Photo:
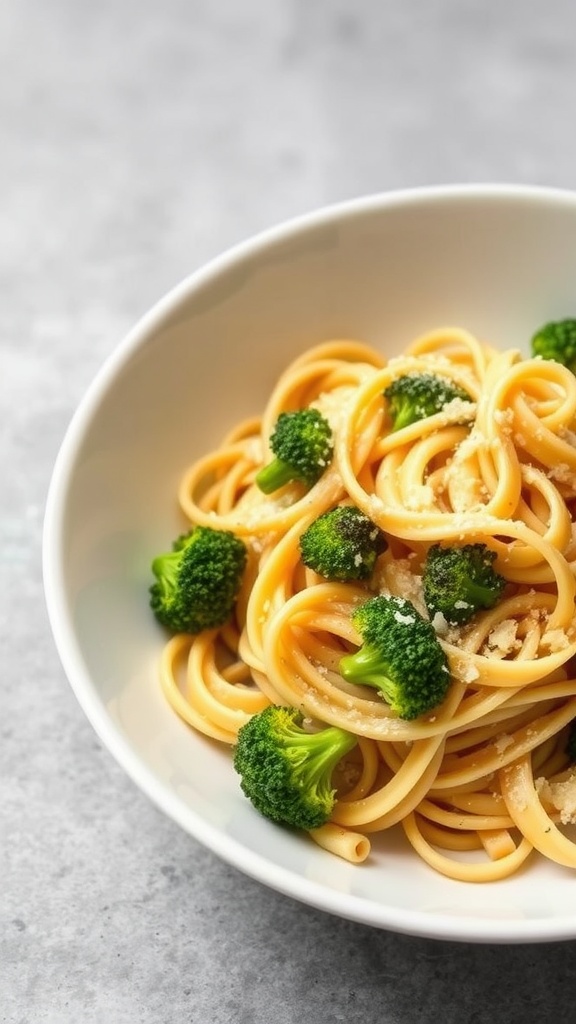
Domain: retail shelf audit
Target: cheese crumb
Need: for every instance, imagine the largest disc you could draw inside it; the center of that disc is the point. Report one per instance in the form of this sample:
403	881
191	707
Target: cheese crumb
404	620
458	410
468	671
555	640
560	794
502	742
440	624
420	498
395	576
563	474
504	418
502	640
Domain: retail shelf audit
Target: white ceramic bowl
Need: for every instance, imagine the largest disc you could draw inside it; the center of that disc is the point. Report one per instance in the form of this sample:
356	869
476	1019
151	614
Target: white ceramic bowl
497	260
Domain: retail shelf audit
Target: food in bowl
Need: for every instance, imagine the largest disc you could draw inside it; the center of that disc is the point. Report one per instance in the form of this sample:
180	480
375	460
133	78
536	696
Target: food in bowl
374	605
497	259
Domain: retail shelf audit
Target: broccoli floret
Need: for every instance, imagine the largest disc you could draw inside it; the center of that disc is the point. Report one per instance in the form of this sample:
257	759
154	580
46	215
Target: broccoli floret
286	771
557	340
342	544
302	445
197	583
418	395
458	582
400	655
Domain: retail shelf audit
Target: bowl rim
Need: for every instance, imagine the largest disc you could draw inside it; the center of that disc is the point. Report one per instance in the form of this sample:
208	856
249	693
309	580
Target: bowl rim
440	926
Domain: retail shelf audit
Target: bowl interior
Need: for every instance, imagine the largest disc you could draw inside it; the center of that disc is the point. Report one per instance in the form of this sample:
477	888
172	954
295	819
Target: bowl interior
499	261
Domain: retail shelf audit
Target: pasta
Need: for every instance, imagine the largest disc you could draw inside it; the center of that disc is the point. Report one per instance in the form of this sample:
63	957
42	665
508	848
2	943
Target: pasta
484	779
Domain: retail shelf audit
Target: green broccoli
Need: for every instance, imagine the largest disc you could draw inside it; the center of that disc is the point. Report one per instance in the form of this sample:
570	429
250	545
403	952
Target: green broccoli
197	583
400	655
285	770
302	445
418	395
460	581
342	544
557	341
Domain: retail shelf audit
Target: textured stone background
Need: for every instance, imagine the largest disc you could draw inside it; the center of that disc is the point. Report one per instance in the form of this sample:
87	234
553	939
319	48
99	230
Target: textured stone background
137	139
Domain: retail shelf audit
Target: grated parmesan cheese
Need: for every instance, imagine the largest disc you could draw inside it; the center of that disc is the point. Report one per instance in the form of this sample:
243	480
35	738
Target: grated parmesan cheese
560	794
567	435
563	474
555	640
503	741
440	624
516	789
420	498
504	418
404	620
395	576
466	670
502	640
459	410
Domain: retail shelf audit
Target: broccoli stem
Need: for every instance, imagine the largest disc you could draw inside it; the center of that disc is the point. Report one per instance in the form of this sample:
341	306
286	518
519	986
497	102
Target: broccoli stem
166	567
366	668
276	474
479	596
403	418
320	752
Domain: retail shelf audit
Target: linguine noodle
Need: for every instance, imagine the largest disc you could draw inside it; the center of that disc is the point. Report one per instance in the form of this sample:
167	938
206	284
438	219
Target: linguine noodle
484	779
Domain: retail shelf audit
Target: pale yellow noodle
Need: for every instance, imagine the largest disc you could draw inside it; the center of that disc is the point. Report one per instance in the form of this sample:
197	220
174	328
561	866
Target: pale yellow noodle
351	846
499	469
475	871
530	817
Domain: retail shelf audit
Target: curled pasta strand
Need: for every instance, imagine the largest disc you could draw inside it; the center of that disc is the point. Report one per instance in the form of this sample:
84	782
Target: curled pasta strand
456	344
478	776
526	810
173	651
490	871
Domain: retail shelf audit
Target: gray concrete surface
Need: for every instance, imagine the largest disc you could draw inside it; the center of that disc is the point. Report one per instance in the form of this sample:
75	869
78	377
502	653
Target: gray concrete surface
137	139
